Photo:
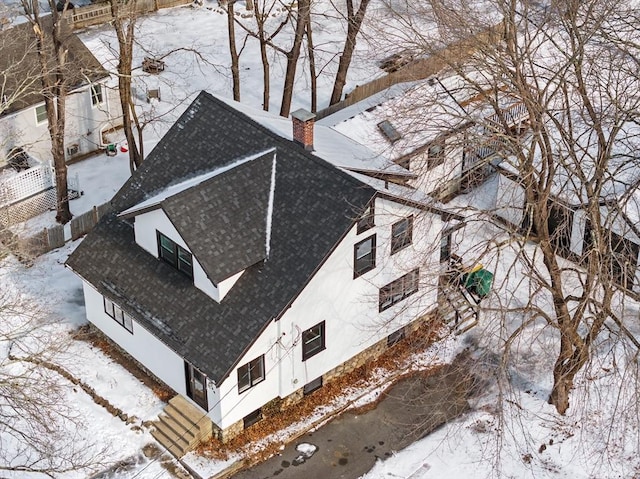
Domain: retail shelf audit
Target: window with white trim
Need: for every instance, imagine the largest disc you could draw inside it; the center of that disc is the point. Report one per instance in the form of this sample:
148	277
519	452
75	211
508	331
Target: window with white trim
398	290
96	95
250	374
116	312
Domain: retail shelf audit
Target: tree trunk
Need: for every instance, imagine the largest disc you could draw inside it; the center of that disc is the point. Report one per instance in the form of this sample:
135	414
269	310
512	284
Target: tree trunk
125	61
235	60
312	66
292	57
54	89
63	213
260	20
353	28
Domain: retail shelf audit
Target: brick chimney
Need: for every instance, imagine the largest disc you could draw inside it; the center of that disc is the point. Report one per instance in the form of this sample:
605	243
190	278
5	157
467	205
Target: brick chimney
303	121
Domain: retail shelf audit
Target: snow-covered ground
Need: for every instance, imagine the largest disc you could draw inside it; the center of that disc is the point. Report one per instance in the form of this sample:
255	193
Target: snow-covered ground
513	432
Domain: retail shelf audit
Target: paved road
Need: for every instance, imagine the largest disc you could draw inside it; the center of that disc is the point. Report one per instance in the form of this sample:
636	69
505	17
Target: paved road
348	446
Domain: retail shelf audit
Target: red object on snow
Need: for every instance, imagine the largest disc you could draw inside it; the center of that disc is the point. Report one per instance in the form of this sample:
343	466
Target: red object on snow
123	148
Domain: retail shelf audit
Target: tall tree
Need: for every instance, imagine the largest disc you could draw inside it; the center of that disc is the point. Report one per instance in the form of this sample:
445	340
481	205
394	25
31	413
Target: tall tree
124	23
573	67
233	50
354	23
51	33
304	10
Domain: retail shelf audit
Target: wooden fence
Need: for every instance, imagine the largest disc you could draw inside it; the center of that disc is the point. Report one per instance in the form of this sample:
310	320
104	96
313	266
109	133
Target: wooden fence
100	13
418	69
28	247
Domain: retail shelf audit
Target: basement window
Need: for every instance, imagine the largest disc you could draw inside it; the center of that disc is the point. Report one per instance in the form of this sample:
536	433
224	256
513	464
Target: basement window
312	386
252	418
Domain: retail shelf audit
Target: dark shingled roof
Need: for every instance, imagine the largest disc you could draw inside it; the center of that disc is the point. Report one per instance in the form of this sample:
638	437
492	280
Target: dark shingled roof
314	207
20	69
225	226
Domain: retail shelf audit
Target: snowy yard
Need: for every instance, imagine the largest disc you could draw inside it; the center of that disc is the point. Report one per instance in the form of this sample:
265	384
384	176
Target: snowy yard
513	432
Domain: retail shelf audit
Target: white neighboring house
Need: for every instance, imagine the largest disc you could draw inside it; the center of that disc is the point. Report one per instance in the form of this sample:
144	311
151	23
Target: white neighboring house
242	269
439	129
91	106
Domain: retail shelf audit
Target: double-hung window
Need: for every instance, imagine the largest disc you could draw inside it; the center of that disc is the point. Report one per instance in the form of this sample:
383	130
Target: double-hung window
435	154
401	234
364	256
116	312
96	94
313	341
175	255
398	290
250	374
367	219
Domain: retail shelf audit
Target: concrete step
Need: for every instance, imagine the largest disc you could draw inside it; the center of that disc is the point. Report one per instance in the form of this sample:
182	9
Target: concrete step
183	428
175	444
186	409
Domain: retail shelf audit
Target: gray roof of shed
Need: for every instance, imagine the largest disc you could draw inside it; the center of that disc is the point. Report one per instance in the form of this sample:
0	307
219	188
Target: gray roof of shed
314	206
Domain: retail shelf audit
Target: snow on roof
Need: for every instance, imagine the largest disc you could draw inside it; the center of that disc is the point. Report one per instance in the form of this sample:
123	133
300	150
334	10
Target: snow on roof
189	183
419	111
329	144
399	192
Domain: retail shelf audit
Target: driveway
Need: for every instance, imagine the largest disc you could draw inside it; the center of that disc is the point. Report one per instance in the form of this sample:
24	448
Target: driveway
348	446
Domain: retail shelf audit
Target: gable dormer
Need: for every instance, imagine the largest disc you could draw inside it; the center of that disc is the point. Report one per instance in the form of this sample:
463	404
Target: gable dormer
213	226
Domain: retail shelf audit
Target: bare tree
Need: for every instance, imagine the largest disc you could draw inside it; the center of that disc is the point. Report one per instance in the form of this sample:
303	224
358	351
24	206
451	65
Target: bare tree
40	429
573	68
51	34
233	51
354	22
124	24
304	10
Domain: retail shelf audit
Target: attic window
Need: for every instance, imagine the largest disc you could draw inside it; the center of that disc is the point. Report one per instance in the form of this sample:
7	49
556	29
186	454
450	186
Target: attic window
389	131
175	255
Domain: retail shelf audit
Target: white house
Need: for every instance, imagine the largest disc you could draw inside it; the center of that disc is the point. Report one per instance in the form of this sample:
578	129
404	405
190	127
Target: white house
91	107
439	129
240	268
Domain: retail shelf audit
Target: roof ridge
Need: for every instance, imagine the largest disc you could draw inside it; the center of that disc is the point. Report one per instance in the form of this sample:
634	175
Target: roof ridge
289	143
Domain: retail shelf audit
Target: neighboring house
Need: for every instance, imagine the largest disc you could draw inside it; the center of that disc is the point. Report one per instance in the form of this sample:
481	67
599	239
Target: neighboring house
437	129
242	269
92	107
568	222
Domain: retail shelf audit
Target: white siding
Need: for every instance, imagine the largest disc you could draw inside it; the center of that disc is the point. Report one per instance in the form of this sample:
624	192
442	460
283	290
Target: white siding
510	200
158	358
348	306
84	125
445	176
145	227
143	346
